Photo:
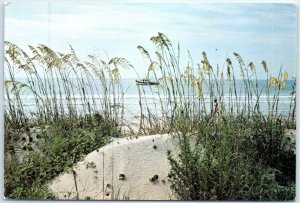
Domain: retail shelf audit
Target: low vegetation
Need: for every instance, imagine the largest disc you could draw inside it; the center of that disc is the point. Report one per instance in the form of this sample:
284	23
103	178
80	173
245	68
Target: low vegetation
234	159
58	150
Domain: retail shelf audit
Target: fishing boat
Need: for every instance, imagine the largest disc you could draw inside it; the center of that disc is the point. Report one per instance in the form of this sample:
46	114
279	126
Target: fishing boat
145	82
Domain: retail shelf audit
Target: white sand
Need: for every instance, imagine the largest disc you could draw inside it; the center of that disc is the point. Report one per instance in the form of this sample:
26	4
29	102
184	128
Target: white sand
136	158
291	133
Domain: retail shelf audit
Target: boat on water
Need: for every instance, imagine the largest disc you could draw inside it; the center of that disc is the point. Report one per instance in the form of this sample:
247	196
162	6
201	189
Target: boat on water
145	82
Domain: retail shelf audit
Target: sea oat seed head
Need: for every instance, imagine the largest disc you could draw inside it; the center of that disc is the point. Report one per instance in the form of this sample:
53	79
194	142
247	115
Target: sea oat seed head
264	63
285	75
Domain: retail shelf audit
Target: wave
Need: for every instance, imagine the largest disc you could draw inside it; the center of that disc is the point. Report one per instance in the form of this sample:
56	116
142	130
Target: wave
151	96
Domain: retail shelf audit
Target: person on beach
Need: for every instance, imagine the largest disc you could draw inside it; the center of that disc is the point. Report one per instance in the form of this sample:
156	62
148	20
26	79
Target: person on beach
216	107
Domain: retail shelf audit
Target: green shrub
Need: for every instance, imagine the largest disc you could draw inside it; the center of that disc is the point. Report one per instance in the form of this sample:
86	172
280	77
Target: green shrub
273	148
61	149
221	165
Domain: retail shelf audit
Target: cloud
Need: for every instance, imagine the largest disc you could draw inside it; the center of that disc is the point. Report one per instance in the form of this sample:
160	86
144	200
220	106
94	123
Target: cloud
108	20
120	26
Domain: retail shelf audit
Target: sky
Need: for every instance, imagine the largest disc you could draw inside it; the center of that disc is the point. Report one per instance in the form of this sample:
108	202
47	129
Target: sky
115	28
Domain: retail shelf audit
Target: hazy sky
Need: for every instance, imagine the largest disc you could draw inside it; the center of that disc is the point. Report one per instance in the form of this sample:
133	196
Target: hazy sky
256	31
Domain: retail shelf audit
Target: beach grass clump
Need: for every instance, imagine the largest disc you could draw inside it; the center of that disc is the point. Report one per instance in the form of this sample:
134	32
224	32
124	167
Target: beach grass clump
221	163
58	152
273	147
201	90
61	85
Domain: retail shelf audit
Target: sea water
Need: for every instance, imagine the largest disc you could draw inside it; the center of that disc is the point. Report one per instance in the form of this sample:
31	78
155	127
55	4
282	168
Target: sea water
285	102
133	98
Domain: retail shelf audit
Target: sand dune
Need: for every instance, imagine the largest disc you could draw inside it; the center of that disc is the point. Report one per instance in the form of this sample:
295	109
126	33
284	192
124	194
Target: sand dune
134	168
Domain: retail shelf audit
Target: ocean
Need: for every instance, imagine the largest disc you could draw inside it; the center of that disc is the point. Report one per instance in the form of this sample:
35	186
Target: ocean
285	96
130	99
